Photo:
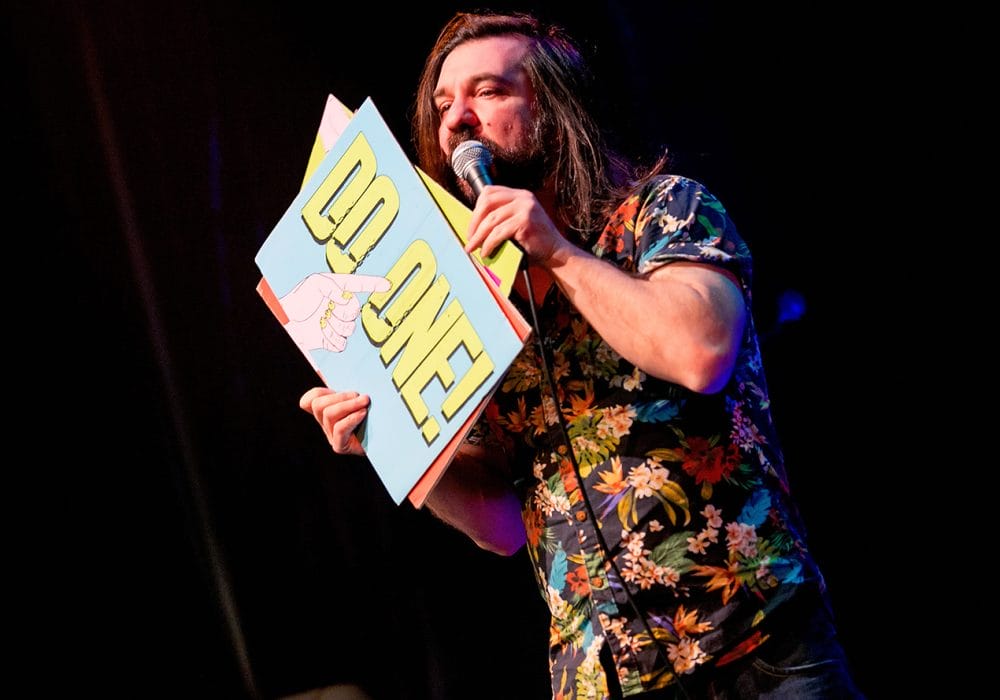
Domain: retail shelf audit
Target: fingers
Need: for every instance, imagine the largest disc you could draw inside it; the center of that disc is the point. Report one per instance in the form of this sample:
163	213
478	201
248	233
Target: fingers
335	327
334	343
347	310
484	219
327	404
495	238
339	414
306	400
337	323
363	283
501	214
341	433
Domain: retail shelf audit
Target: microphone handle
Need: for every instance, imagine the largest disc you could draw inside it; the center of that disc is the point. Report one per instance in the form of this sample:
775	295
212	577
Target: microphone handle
478	178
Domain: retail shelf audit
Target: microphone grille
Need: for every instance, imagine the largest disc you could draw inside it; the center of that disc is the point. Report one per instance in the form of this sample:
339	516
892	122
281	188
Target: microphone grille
467	154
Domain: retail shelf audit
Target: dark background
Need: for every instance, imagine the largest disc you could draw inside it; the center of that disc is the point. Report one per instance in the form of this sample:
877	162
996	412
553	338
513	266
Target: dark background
193	535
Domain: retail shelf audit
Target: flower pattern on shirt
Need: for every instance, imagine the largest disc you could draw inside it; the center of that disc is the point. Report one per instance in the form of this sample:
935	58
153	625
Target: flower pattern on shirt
688	489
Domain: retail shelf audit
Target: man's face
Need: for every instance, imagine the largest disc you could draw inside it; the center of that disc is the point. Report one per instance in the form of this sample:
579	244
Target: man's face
483	93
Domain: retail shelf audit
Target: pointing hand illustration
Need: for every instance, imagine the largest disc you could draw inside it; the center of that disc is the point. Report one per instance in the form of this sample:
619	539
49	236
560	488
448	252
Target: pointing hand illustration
323	307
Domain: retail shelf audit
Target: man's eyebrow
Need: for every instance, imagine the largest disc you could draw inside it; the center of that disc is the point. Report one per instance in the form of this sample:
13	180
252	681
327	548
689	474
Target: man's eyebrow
477	79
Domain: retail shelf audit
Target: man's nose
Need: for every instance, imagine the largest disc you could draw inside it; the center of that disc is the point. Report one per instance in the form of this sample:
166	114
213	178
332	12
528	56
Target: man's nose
459	115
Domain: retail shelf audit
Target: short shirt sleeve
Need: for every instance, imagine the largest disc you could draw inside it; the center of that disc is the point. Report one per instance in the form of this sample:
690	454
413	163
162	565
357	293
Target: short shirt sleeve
674	218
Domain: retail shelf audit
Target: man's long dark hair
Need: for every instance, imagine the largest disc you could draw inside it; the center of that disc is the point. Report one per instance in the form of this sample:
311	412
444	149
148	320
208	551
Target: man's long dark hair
588	175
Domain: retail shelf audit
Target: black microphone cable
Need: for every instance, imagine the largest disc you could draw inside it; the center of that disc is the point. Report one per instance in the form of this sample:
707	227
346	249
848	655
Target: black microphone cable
471	161
602	543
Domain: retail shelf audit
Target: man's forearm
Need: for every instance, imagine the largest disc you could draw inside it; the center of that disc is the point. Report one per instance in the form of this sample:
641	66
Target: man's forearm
476	498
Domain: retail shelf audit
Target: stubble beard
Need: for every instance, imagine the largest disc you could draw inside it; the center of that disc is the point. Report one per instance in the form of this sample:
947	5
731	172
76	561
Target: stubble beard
524	166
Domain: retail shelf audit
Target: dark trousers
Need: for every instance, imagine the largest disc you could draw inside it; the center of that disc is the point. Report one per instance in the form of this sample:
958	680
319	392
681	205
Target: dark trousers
802	659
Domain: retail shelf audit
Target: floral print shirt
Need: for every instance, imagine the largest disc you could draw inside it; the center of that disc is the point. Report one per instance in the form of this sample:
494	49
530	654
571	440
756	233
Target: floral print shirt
688	489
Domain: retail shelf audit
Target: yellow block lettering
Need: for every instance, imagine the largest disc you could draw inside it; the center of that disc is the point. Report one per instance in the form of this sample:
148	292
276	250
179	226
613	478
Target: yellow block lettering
351	206
482	366
340	189
437	364
372	216
421	330
416	268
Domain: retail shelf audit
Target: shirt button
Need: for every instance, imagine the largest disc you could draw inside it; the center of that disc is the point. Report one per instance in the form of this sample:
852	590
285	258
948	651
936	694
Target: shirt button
581	516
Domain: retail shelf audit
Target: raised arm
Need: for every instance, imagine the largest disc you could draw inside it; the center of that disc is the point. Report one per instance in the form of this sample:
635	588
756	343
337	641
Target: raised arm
681	322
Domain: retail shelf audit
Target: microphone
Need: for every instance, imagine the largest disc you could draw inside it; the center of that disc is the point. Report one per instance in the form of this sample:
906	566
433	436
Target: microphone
471	161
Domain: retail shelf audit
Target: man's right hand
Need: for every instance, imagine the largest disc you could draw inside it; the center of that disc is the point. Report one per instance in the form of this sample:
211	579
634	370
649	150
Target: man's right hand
339	413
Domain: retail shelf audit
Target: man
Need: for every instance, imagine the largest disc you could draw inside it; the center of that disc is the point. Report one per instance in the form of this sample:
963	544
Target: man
631	449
